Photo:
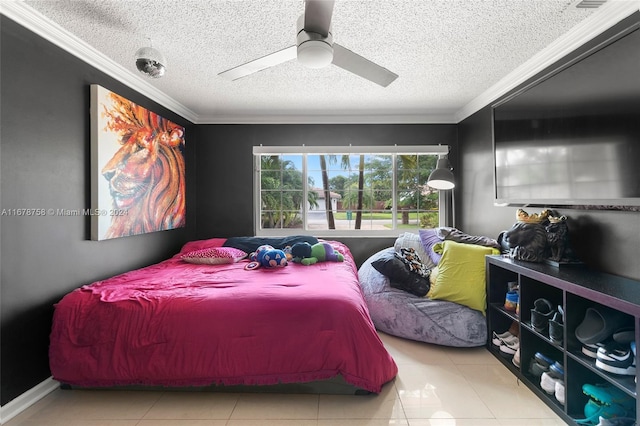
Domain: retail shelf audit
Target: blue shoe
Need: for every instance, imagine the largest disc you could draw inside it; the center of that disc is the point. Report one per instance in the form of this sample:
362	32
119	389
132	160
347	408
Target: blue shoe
543	360
556	370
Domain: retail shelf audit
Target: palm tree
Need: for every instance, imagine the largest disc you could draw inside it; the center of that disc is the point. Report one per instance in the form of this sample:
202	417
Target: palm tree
281	192
327	192
358	223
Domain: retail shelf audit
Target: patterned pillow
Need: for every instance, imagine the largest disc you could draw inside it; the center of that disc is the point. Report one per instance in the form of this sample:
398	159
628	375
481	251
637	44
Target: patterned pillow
214	256
412	240
412	260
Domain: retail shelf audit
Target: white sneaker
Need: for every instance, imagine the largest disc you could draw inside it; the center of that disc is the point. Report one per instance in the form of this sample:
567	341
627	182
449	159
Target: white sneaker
516	358
560	391
499	338
548	383
510	347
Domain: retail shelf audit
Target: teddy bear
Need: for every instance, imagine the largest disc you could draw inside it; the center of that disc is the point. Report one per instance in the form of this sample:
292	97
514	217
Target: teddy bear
267	257
308	254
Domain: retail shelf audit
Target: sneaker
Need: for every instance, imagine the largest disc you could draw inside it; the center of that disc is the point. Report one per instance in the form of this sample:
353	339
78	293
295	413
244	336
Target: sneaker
497	338
516	358
540	314
501	339
616	360
510	347
536	369
548	383
543	360
556	327
556	370
559	393
590	350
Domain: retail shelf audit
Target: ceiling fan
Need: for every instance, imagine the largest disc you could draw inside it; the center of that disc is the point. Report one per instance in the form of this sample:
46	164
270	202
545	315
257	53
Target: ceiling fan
315	49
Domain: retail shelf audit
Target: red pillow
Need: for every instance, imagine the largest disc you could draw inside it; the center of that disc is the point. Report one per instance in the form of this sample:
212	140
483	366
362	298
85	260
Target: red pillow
214	256
202	244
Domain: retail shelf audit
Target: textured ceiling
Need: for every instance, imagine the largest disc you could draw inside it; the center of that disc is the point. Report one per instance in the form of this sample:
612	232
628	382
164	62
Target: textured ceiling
446	52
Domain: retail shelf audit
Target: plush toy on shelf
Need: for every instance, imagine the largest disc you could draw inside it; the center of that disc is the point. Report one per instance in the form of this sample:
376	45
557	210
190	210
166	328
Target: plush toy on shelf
308	254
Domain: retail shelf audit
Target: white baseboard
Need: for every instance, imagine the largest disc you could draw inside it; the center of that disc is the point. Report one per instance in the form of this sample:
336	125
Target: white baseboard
27	399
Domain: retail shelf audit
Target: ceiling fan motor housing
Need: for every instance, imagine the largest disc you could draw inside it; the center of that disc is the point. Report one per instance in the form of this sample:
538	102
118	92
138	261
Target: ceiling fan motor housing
314	50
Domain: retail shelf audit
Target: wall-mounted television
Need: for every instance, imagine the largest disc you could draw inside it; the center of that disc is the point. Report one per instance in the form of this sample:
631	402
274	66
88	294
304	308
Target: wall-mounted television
572	137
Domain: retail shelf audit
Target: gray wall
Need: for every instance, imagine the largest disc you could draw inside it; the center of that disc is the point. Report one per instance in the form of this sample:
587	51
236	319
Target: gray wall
608	241
225	167
45	156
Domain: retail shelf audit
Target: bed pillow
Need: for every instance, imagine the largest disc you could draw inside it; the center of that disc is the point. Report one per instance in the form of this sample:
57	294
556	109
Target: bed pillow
429	238
214	256
202	244
411	240
250	244
461	274
453	234
400	276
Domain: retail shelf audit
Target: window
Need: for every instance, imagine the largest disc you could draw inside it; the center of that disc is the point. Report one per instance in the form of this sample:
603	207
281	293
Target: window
346	191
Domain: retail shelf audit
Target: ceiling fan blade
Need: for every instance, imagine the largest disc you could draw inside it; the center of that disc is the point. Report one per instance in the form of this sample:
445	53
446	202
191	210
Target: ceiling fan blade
317	16
352	62
260	64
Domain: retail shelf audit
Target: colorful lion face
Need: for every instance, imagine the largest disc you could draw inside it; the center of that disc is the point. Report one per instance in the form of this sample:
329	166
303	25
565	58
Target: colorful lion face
147	174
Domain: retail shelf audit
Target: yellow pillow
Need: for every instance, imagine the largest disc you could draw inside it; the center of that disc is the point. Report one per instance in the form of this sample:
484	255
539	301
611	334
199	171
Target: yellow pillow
461	274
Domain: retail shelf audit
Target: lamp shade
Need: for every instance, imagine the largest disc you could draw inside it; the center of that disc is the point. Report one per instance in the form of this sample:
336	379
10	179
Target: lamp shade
442	176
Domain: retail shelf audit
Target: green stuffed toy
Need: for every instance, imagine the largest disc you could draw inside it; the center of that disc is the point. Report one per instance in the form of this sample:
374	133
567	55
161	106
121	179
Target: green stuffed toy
308	254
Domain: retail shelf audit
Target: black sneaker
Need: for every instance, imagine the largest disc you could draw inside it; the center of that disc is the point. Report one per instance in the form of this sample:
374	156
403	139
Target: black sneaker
556	327
616	360
541	313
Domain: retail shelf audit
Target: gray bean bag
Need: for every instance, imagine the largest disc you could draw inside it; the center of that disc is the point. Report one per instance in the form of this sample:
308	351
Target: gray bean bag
402	314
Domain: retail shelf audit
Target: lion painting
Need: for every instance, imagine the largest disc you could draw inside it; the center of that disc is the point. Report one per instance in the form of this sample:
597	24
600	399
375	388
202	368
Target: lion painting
146	175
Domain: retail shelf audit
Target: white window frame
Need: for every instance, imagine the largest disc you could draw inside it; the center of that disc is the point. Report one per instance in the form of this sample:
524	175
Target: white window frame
441	150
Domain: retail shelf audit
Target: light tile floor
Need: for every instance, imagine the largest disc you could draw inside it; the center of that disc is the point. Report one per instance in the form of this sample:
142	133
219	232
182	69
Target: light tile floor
435	386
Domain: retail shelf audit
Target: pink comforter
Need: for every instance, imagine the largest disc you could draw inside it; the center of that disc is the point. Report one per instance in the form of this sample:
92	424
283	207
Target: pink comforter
179	324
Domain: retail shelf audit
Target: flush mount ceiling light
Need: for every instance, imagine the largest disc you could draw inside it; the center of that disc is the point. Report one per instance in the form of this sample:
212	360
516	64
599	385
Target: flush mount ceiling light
314	50
442	176
150	62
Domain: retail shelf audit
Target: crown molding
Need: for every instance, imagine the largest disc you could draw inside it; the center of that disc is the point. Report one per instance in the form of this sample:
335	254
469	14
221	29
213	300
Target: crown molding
612	12
49	30
335	118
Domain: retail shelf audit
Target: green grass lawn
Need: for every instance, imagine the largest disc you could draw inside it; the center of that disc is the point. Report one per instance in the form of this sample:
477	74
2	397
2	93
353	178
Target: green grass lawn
374	216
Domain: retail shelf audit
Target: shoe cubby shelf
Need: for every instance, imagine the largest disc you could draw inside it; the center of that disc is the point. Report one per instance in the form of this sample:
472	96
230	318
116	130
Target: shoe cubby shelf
576	292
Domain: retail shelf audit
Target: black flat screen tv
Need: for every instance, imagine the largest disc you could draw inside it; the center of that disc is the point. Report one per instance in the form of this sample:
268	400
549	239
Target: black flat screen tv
572	138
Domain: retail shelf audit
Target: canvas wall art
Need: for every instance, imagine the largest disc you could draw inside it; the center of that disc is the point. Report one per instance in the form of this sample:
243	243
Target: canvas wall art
137	166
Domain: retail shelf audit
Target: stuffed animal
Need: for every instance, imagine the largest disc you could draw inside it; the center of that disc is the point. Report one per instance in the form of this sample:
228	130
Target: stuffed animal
308	254
287	252
267	257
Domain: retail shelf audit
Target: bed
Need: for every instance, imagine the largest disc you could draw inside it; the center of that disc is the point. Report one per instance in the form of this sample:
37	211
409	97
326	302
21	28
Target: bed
177	324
